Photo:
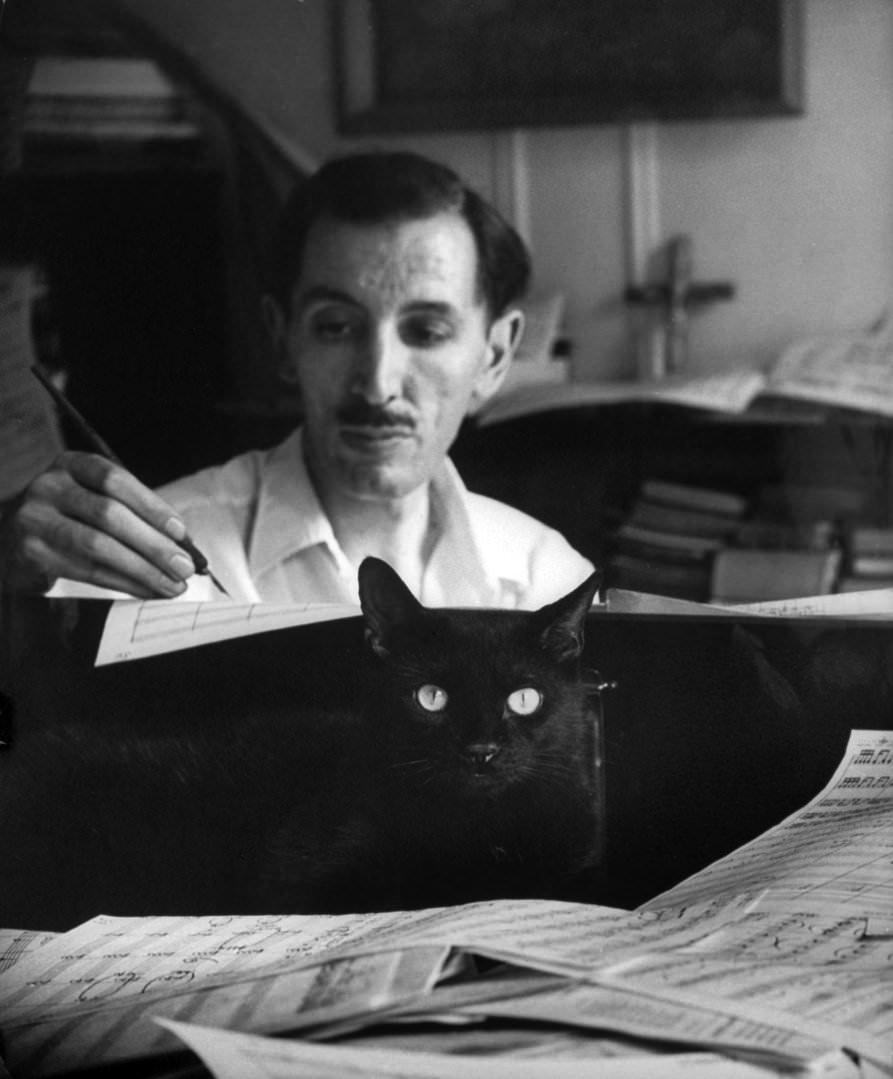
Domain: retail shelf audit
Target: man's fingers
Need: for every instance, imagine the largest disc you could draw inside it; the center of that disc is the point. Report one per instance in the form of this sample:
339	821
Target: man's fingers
88	519
78	552
106	478
108	518
85	519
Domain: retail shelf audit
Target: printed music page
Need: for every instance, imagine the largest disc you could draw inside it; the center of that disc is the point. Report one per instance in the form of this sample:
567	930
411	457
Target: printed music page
769	952
137	629
846	371
833	856
246	1056
873	603
319	992
725	391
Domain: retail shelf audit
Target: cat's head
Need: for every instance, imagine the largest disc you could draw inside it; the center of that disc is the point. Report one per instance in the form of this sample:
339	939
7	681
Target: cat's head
478	698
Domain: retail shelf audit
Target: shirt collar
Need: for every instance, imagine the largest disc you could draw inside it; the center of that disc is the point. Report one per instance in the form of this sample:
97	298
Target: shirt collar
470	554
289	516
473	540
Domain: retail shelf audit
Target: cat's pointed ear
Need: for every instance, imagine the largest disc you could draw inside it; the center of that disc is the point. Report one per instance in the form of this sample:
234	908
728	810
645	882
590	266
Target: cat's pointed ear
563	621
386	601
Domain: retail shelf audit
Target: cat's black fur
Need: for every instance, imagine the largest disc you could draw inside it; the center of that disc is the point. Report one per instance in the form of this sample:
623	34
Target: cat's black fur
471	801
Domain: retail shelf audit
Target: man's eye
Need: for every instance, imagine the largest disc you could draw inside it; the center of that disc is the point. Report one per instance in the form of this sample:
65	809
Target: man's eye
334	327
426	333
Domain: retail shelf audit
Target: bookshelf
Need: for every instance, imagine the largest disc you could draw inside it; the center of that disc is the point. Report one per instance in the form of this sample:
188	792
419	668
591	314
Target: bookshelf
582	471
120	193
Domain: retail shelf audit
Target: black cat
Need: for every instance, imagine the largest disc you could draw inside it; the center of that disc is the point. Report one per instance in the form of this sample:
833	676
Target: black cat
470	772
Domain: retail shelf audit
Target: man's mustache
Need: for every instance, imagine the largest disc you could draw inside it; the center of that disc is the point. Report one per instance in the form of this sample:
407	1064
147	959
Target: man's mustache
359	413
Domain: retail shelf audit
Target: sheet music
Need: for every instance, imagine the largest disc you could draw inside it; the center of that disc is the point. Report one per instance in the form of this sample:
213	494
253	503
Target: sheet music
247	1056
770	950
315	993
85	998
137	629
16	944
725	391
833	856
668	1018
877	602
847	371
842	1006
627	601
110	957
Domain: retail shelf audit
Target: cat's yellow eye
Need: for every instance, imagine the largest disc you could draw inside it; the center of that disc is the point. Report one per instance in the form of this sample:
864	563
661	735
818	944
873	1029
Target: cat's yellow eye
431	698
524	701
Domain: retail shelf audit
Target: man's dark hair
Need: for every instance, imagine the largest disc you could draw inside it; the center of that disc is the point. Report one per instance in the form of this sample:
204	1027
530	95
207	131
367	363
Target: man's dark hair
371	188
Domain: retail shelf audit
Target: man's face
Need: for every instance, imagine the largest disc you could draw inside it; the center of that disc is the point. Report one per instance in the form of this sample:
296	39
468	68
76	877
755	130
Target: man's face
389	342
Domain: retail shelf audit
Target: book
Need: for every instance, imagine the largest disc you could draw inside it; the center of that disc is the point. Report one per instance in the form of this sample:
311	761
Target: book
664	517
742	575
115	98
869	540
669	544
871	565
816	535
693	497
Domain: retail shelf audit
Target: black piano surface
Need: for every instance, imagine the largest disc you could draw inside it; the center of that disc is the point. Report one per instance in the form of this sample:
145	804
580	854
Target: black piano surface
147	787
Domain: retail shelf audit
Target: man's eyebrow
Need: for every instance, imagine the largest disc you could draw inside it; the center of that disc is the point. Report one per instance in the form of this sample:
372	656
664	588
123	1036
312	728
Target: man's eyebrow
431	307
324	293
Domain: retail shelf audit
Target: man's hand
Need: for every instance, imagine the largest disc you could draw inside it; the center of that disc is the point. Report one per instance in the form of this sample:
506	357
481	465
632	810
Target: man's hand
90	520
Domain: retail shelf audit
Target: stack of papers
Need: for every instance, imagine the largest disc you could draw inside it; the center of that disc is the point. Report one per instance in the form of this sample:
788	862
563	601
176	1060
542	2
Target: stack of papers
776	959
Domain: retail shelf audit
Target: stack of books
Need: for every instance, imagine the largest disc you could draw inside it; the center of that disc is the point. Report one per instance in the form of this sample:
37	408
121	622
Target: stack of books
667	543
105	98
789	547
869	559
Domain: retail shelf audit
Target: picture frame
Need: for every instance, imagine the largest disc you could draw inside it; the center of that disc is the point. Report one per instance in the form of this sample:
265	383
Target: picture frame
444	65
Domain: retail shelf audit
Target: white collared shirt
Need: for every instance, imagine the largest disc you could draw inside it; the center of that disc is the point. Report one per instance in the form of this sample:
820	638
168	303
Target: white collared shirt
259	522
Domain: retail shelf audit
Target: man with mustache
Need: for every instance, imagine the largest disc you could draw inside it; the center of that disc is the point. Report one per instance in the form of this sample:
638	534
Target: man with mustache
393	309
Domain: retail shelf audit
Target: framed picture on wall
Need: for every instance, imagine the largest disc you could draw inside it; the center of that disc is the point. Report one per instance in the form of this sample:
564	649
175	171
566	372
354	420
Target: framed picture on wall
435	65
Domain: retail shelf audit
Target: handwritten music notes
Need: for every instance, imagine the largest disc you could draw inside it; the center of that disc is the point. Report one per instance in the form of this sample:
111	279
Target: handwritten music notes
876	603
780	953
136	629
16	944
833	856
247	1056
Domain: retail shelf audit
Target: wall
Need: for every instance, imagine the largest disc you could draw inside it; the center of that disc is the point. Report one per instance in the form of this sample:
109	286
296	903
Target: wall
797	212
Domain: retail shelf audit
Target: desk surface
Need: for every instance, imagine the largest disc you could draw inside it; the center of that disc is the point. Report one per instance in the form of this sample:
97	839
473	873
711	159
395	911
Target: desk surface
148	787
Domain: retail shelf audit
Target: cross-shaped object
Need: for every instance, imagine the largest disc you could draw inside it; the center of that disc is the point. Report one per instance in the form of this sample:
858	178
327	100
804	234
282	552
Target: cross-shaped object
677	296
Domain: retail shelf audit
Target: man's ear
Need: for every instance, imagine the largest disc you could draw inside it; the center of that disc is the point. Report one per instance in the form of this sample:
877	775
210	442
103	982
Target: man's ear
275	322
503	339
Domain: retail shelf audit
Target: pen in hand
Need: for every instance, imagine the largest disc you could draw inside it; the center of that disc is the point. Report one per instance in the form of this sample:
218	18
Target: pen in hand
100	446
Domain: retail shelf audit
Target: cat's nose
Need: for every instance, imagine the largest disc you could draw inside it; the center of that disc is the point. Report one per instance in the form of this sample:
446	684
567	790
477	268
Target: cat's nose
480	754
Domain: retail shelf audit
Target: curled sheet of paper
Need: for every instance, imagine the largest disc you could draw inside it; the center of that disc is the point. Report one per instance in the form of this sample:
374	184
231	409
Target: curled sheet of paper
137	629
245	1056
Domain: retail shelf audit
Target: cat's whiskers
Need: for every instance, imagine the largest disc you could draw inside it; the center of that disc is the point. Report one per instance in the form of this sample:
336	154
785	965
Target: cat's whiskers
423	764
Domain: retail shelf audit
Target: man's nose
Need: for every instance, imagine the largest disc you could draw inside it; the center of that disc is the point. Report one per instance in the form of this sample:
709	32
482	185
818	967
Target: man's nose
380	367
